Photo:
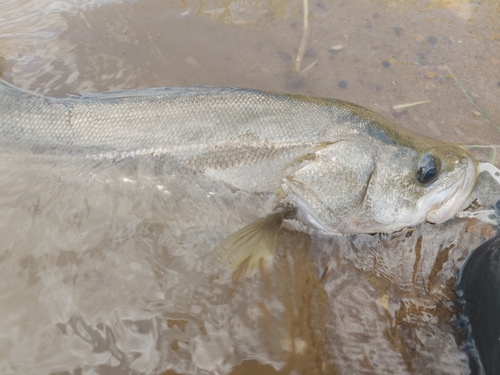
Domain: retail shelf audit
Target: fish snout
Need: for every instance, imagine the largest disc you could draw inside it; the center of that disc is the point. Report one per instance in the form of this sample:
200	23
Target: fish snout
445	204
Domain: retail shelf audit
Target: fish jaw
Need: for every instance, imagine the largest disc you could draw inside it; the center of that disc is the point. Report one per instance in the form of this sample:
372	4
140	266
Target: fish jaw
448	202
305	212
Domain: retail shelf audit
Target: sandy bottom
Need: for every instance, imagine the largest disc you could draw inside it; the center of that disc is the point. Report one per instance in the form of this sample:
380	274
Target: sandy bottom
107	268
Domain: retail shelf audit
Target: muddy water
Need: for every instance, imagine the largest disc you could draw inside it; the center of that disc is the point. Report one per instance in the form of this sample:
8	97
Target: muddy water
108	269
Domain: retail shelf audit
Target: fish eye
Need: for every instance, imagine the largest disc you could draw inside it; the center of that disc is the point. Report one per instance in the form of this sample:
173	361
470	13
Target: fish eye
428	168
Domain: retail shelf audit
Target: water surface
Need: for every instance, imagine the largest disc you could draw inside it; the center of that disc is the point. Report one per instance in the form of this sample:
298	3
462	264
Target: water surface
107	268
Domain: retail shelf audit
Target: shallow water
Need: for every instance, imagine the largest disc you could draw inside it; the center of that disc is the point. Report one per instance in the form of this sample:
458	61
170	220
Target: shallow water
107	268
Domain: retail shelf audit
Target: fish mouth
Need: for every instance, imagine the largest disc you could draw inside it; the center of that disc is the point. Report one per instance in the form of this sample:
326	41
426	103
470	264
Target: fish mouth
446	203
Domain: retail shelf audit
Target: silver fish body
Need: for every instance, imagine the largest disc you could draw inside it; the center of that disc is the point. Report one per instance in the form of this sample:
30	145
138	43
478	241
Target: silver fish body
345	168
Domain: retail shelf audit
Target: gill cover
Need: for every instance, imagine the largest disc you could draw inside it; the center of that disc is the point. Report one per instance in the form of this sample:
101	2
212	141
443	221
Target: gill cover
329	184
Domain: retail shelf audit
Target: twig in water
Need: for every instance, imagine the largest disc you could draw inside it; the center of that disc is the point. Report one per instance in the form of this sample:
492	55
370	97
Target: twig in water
402	106
305	36
481	110
307	68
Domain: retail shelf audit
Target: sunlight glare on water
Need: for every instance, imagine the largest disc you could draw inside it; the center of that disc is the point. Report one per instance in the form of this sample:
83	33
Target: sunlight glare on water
106	266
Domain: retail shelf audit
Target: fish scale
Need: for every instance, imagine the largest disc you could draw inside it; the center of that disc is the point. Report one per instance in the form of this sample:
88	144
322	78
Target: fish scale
342	168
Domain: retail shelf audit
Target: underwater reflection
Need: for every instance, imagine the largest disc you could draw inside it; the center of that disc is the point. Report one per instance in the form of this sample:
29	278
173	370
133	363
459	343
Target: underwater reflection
391	300
108	267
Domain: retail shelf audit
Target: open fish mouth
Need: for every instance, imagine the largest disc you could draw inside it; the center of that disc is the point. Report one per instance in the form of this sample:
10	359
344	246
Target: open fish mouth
448	202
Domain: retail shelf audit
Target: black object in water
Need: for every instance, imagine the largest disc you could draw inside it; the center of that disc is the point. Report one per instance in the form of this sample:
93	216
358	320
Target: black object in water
479	284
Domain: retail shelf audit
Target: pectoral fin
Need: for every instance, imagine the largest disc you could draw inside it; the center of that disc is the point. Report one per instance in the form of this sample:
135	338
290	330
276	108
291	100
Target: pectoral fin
255	243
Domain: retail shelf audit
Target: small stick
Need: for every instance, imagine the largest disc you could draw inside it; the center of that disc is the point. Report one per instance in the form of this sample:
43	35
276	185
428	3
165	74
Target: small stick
401	106
308	68
305	36
481	110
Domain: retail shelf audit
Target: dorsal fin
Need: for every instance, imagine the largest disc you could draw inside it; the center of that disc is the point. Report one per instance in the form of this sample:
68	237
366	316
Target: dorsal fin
165	92
172	92
4	85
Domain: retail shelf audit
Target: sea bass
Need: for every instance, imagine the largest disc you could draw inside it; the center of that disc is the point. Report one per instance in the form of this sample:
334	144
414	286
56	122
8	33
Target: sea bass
335	166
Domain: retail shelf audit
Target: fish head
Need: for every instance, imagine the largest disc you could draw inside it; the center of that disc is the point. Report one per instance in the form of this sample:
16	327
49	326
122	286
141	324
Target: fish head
367	185
416	184
448	176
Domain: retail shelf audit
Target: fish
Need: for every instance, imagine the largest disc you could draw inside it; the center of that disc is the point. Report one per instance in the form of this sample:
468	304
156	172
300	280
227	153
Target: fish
330	165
